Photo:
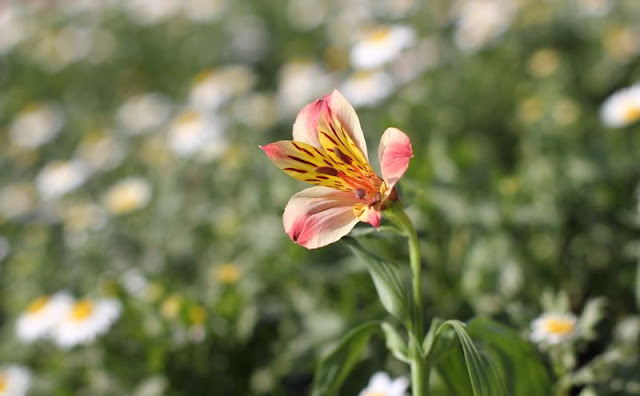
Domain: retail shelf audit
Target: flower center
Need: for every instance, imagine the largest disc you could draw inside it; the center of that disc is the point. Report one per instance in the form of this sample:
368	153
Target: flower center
228	274
379	34
374	394
559	326
37	305
632	114
3	383
82	310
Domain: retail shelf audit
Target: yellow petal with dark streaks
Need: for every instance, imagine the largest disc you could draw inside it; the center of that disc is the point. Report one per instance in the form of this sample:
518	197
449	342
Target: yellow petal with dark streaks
305	163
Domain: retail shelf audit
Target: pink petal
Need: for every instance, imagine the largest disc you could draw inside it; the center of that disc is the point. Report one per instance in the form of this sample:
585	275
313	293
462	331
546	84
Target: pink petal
342	109
318	216
305	129
394	153
371	216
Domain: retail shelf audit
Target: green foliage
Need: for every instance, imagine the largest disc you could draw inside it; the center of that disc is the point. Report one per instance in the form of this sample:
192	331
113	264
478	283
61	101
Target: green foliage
333	368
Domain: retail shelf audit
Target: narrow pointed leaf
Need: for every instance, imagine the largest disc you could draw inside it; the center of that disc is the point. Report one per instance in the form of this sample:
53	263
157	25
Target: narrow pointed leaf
389	287
525	373
395	342
333	368
483	376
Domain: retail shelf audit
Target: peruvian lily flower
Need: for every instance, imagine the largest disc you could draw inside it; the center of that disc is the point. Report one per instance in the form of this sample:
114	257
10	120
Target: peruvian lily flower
328	149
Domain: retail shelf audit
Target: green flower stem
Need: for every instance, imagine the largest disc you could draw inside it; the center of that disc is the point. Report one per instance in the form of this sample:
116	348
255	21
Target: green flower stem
419	367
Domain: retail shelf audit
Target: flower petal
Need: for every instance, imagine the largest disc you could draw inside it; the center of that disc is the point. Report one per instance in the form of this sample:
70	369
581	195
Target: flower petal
342	109
306	163
394	153
318	216
368	214
305	128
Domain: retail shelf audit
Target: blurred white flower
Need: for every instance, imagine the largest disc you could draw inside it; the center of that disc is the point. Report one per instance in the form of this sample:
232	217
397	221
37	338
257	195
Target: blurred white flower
14	380
212	88
84	216
42	315
423	56
13	29
58	48
381	384
204	10
143	113
257	110
150	12
127	195
594	7
17	200
301	82
101	151
36	125
58	178
480	21
86	320
622	107
553	328
249	37
306	14
193	132
134	281
367	88
381	45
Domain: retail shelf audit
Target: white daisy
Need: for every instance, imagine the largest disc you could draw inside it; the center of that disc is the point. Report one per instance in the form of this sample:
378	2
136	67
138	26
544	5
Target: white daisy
193	132
14	380
381	45
58	48
86	320
58	178
36	125
101	151
127	195
150	12
212	88
17	200
204	10
13	26
367	88
553	328
300	82
622	107
480	21
143	113
381	384
79	217
42	315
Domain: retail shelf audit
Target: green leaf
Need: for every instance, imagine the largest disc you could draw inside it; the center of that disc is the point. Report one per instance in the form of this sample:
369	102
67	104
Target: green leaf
389	287
525	373
395	342
333	368
482	376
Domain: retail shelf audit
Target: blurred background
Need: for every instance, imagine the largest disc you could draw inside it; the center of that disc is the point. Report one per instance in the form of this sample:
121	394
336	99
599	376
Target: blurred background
130	171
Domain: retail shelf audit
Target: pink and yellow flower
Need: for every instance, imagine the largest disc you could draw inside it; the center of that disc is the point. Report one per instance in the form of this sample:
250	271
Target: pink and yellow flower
328	149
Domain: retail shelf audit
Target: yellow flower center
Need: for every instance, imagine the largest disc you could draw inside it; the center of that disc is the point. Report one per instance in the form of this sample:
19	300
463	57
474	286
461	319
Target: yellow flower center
228	274
202	76
37	305
82	310
559	326
188	117
379	34
632	114
374	394
3	383
197	314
